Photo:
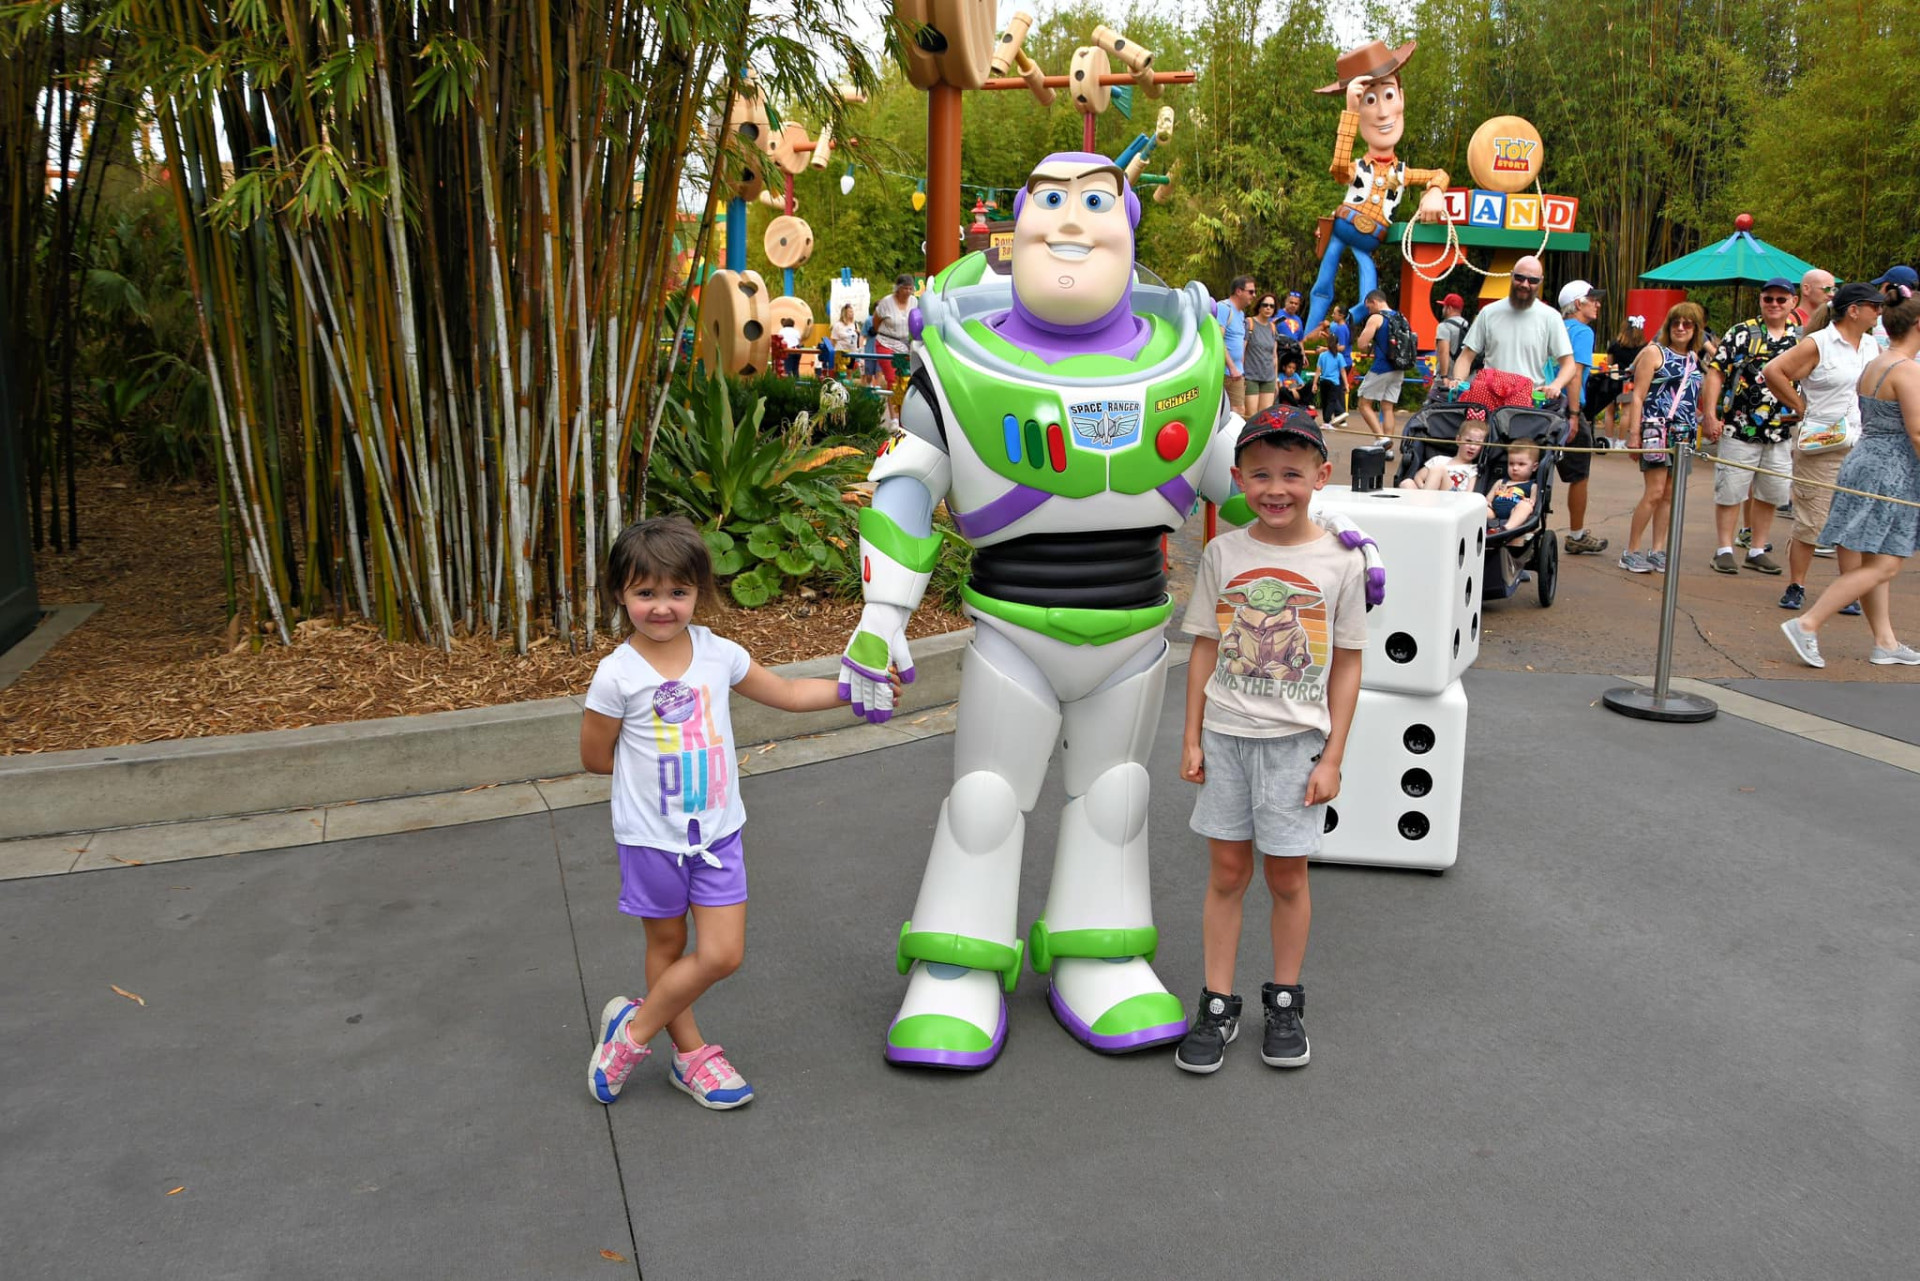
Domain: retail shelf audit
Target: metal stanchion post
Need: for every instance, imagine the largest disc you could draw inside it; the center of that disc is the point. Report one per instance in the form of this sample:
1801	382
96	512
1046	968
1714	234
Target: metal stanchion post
1661	703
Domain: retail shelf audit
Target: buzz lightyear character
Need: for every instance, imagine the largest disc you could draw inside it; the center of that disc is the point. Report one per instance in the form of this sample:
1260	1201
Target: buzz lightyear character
1069	417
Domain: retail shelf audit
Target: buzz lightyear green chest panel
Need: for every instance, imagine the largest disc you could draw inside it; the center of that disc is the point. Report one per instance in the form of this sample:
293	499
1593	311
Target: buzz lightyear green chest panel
1081	426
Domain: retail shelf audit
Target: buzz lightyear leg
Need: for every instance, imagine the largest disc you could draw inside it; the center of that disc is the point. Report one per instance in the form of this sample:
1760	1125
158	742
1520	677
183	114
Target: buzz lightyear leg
961	949
1097	939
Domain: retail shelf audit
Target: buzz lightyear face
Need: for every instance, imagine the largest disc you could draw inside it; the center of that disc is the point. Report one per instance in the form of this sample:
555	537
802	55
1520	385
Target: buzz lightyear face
1383	114
1072	243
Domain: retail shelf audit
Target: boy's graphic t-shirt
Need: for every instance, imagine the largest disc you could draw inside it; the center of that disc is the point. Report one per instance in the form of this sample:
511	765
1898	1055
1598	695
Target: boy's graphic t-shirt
674	784
1279	613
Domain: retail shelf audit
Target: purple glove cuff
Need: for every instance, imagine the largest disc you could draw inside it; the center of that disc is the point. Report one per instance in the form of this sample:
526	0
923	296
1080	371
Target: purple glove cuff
1355	539
1376	587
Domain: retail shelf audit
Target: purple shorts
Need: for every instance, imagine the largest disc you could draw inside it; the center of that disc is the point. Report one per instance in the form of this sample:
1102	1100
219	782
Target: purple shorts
662	885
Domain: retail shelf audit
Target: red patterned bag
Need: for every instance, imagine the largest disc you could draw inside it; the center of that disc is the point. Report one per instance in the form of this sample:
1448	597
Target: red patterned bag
1497	389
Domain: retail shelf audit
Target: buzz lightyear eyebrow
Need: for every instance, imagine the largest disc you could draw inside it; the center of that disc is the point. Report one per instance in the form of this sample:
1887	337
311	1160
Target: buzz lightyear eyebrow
1061	176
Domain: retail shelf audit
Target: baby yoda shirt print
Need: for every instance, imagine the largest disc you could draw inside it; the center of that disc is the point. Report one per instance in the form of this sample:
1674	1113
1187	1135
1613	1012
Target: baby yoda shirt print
1278	613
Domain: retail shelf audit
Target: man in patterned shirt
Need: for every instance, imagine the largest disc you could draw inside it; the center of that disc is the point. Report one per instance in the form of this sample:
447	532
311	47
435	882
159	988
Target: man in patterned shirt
1757	430
1375	116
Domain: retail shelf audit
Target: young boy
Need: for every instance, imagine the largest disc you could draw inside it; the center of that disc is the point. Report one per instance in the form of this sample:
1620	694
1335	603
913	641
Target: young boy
1278	617
1330	381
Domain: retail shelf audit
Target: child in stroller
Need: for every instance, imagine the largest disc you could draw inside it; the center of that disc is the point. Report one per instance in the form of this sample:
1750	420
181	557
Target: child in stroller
1510	502
1458	473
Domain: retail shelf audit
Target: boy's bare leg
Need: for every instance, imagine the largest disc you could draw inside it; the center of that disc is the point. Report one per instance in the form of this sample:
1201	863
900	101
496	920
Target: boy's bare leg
1230	873
1292	914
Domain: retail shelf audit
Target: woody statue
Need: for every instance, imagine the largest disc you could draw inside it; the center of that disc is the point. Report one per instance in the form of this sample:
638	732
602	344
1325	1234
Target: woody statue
1375	116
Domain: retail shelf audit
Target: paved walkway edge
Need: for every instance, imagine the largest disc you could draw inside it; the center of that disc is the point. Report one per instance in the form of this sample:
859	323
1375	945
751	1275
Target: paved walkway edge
1791	720
189	779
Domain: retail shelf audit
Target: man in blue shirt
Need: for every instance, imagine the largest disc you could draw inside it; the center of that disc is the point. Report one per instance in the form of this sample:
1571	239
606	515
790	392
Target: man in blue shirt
1231	312
1289	318
1579	308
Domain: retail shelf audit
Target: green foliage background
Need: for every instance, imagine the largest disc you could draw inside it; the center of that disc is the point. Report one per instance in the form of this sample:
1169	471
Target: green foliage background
1665	118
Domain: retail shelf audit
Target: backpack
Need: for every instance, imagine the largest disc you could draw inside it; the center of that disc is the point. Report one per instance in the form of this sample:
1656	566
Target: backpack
1455	329
1395	346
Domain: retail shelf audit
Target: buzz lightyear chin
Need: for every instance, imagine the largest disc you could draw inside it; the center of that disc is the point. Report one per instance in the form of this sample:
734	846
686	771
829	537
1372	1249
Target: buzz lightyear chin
1073	262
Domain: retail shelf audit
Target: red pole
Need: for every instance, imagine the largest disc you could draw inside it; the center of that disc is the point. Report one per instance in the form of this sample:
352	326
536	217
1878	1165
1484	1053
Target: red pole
1086	134
943	176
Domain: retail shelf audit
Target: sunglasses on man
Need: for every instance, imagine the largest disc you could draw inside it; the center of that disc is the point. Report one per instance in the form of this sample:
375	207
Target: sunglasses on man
1519	279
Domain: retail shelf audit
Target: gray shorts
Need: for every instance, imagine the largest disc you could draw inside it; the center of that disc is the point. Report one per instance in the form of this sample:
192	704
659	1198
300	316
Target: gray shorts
1254	791
1383	385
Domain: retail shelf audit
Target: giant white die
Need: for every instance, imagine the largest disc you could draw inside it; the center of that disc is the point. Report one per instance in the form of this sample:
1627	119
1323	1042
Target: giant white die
1400	782
1433	547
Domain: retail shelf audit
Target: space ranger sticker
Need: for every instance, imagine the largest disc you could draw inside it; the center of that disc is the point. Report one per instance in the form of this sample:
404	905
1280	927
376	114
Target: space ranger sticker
1106	424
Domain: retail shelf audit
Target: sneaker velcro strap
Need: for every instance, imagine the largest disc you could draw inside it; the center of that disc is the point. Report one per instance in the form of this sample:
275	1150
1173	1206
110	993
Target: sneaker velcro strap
958	949
1044	946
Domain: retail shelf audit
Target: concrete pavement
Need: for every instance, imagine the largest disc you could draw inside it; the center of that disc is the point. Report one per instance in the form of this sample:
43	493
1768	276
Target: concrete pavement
1657	1022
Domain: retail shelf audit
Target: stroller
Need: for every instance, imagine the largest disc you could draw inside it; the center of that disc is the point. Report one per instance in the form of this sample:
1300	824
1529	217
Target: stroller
1528	548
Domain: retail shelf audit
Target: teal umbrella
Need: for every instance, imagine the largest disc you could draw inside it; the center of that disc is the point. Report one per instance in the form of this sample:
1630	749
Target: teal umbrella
1742	258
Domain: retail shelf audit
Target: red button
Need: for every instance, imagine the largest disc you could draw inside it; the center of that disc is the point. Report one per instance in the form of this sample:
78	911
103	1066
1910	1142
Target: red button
1172	441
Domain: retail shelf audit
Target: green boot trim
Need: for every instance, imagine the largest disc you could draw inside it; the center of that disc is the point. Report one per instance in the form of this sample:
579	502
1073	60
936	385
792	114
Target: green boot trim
939	1032
958	949
1138	1013
1045	947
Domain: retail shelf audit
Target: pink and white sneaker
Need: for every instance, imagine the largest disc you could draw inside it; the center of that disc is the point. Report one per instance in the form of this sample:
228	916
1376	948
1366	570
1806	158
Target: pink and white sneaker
614	1056
711	1080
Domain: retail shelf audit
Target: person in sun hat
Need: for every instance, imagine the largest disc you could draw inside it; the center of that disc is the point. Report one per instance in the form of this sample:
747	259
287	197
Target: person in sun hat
1579	308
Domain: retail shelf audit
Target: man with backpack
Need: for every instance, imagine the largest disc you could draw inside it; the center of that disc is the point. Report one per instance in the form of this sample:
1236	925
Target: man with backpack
1389	336
1450	337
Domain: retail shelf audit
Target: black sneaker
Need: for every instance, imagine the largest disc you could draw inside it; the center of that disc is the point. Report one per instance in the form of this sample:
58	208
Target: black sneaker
1214	1026
1285	1044
1795	597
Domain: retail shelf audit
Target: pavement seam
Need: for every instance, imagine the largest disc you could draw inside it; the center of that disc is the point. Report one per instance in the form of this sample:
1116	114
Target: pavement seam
586	1012
1800	724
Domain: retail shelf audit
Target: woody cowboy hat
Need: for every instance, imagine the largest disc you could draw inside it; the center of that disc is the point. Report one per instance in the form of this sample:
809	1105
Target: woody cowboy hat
1372	60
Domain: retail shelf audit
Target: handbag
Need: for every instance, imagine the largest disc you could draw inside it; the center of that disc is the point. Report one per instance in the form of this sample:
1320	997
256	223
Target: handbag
1653	431
1821	438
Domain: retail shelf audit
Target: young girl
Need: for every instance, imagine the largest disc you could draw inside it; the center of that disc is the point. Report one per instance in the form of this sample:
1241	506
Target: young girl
1459	474
1510	502
657	720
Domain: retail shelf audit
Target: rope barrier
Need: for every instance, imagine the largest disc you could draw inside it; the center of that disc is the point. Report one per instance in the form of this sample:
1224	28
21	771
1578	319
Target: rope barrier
1641	449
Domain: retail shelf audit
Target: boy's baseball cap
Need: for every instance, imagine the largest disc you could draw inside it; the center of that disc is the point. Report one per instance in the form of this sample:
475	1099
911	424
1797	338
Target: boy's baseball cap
1282	425
1574	290
1898	276
1453	300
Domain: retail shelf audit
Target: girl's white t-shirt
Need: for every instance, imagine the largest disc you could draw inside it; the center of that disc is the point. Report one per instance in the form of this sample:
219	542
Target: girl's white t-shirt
1829	389
675	787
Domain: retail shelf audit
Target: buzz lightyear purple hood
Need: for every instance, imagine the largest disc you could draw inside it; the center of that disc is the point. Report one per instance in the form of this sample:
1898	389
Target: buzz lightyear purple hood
1118	333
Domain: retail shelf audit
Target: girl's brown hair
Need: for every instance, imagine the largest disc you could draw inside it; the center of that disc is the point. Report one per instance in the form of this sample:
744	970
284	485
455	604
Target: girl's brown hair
666	549
1686	311
1900	314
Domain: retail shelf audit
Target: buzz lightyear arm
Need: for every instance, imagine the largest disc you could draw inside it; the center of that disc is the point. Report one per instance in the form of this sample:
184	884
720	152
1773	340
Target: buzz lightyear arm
1216	486
898	548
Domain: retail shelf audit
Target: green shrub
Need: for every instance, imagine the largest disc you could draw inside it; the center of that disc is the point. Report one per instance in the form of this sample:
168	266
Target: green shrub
769	506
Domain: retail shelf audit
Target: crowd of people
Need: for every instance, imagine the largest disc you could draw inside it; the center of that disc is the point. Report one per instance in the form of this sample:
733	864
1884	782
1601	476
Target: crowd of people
1815	396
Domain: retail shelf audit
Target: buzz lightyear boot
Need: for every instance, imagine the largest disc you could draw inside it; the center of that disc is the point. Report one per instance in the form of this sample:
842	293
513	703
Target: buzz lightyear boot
961	950
1097	940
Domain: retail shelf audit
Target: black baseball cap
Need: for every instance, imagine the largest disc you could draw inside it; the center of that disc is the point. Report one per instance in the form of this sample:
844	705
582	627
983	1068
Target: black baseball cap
1855	292
1282	425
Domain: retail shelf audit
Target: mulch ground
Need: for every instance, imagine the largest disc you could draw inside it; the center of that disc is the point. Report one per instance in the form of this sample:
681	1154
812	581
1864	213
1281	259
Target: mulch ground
159	660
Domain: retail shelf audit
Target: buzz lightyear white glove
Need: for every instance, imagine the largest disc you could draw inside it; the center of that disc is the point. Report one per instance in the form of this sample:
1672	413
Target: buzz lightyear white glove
894	569
1236	511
